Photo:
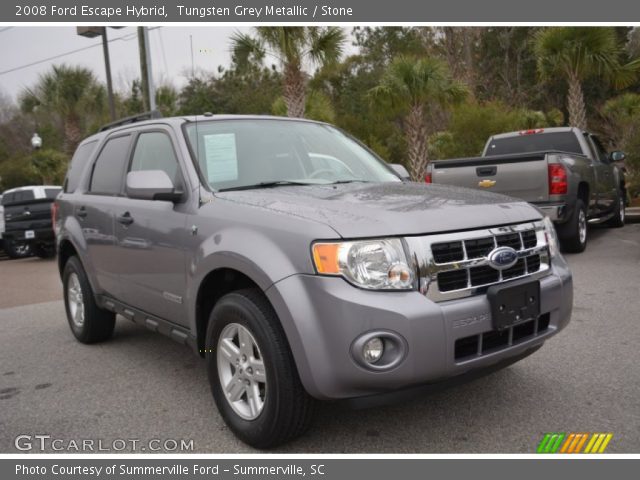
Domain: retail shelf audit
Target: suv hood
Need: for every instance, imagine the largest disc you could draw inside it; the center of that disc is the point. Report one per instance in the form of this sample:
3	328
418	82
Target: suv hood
395	208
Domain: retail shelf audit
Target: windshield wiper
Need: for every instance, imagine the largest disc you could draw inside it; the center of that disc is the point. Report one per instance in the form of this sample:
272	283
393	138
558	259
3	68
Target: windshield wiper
354	180
275	183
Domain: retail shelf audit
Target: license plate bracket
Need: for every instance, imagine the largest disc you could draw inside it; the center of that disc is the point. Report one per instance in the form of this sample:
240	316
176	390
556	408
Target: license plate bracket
514	303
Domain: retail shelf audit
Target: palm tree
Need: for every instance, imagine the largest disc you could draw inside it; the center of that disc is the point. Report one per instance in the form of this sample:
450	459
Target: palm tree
577	53
71	94
414	87
292	47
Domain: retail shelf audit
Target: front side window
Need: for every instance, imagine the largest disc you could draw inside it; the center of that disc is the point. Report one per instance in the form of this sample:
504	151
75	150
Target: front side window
244	153
154	151
108	170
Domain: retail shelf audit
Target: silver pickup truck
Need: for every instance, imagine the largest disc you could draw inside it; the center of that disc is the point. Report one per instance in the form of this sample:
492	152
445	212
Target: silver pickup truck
563	171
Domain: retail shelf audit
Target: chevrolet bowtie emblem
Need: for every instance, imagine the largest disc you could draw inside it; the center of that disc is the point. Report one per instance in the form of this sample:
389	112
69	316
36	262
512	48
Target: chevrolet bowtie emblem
486	183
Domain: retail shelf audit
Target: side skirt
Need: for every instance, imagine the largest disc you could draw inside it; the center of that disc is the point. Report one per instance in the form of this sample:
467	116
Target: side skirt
155	324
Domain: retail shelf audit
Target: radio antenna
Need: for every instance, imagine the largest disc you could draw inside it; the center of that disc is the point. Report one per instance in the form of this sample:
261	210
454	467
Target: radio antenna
193	78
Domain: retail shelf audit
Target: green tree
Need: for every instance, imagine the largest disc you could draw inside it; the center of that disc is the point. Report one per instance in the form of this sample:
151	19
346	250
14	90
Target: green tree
579	53
413	87
292	47
72	95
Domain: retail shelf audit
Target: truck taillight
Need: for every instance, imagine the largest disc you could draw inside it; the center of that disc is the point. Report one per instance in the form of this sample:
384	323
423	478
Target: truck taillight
54	215
557	179
428	178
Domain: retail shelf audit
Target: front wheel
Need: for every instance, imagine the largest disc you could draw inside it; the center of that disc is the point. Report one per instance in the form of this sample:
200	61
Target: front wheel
573	233
252	374
617	220
44	251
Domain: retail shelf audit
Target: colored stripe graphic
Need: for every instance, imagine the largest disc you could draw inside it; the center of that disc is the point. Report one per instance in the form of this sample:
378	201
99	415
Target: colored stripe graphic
574	442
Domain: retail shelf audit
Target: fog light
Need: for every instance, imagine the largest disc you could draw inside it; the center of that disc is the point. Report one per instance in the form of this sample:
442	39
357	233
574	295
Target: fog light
373	349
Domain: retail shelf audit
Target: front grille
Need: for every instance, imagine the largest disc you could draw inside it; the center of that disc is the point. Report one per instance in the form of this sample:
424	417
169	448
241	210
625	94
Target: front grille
457	263
475	346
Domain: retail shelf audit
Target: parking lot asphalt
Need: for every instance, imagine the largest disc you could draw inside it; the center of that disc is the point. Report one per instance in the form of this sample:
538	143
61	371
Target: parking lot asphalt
140	385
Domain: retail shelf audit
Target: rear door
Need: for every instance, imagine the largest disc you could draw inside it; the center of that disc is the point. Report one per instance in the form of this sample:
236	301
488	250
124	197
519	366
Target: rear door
95	211
151	234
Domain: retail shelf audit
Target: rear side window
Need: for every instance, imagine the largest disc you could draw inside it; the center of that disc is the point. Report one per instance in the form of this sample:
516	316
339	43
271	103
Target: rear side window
78	163
536	142
154	151
109	168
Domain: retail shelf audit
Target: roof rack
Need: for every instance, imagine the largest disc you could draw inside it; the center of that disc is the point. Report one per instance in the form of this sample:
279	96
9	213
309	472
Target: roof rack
132	119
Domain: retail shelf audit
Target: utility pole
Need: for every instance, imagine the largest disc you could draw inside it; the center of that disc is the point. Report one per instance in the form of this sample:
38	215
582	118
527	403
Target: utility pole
146	72
91	32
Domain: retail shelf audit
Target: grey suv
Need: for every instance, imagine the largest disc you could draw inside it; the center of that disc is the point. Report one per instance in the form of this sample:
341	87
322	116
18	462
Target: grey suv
300	265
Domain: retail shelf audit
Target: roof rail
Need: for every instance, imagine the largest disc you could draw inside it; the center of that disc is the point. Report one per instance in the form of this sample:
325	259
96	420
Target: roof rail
132	119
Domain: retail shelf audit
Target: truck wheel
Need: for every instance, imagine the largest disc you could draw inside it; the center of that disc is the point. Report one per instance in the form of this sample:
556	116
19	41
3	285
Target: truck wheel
573	233
617	220
252	374
16	249
88	322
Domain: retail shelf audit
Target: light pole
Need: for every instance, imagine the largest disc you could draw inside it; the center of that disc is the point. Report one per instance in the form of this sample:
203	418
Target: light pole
91	32
36	141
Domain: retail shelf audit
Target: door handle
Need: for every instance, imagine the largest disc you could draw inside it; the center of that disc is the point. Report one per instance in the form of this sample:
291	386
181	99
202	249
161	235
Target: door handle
486	171
125	219
81	212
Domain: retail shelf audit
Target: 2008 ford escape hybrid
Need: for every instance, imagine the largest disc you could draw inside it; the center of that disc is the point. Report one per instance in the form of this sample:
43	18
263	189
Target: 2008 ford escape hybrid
300	265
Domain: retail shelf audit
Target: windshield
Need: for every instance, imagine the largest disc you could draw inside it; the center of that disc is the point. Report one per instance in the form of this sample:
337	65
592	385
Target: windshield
538	142
244	153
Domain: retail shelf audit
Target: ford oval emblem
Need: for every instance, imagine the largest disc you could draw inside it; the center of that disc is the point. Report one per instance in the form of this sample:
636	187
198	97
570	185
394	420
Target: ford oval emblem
502	258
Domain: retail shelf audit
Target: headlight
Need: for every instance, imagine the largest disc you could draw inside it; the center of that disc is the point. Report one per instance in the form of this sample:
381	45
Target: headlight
552	237
372	264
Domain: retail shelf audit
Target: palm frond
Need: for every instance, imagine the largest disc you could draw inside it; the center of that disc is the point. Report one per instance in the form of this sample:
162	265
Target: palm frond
246	49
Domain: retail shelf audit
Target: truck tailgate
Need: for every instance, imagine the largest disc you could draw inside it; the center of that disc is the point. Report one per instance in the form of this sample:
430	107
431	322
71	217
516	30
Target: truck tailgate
522	176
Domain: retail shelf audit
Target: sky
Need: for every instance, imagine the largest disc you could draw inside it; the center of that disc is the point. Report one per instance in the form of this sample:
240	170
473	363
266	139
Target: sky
170	53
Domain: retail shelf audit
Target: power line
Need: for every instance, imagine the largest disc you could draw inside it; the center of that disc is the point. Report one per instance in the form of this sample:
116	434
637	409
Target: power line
127	37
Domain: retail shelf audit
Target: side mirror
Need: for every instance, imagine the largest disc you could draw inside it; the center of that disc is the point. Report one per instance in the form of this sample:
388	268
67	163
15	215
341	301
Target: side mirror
617	156
400	171
151	185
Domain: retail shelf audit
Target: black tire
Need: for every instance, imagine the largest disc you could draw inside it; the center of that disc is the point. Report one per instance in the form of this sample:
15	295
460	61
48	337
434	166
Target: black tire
569	232
16	249
44	251
98	324
617	221
288	409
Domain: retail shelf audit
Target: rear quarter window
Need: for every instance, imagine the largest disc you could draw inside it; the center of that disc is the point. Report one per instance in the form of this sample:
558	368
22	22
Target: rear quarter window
78	164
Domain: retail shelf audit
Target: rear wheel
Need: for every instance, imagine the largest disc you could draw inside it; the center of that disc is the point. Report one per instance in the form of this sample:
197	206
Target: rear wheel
252	373
88	322
16	249
573	233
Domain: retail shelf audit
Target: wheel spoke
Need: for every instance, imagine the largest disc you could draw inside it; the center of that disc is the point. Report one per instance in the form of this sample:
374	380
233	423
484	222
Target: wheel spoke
246	343
229	350
235	388
253	396
258	370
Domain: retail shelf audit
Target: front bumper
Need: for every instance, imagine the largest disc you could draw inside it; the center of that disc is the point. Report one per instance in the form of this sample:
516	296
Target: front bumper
322	317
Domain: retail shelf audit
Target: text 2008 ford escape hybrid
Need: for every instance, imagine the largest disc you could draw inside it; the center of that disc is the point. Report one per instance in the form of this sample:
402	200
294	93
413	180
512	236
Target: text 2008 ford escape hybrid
299	265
